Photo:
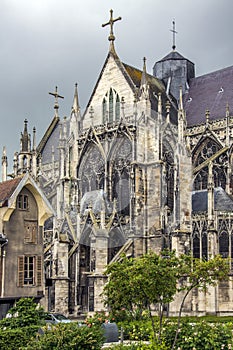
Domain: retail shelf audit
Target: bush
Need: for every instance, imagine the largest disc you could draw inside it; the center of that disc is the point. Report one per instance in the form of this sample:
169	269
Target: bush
138	346
24	314
136	330
12	339
198	335
68	336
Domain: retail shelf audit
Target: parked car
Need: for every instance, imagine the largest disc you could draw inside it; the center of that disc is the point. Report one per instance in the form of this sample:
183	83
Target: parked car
55	318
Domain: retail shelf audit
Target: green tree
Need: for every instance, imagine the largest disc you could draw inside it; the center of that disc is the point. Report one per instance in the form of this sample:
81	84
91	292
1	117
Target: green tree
200	274
138	283
24	313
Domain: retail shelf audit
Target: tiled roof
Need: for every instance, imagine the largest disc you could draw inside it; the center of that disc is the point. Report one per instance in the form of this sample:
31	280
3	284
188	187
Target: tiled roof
222	201
211	91
156	87
7	188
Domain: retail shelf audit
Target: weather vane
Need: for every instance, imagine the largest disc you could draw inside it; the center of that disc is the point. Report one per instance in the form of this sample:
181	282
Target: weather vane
174	32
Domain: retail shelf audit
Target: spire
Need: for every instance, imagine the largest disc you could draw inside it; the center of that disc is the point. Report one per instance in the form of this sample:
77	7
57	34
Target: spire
25	139
56	106
4	164
34	139
182	122
144	87
75	107
111	37
144	76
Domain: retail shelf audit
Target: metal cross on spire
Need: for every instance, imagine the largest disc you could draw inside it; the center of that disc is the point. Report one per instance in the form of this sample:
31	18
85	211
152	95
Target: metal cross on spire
56	95
174	32
111	22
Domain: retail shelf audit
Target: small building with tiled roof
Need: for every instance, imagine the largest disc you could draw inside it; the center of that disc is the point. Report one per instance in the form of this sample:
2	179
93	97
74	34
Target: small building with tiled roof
23	211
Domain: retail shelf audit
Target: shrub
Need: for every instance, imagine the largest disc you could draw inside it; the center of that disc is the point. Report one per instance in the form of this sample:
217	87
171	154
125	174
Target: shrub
99	318
68	336
23	314
136	330
198	335
11	339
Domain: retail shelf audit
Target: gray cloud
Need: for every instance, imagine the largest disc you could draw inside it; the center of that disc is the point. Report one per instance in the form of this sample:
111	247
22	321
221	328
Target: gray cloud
47	43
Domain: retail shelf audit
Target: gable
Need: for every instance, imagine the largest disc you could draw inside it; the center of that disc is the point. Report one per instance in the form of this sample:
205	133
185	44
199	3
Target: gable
112	76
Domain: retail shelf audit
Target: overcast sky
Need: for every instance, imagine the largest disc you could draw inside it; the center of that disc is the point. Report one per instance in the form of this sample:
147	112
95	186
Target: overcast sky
44	43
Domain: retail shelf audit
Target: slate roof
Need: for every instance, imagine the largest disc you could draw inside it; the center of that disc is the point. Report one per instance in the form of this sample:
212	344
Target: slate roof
7	188
222	201
173	55
210	91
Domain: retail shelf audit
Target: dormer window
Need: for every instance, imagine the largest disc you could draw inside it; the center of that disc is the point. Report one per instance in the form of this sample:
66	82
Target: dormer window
22	202
111	107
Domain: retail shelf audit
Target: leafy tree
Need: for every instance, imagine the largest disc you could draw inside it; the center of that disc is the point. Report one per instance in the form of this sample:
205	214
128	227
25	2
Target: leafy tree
200	274
24	313
138	283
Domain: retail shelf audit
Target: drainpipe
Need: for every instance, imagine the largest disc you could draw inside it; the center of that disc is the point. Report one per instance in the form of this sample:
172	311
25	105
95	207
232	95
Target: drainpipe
3	242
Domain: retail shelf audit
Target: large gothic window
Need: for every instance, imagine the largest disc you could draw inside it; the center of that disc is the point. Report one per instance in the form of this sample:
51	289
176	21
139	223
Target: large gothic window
111	106
207	150
120	180
91	170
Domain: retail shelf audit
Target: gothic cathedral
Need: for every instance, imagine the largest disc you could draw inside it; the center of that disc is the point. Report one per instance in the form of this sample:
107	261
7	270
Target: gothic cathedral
147	166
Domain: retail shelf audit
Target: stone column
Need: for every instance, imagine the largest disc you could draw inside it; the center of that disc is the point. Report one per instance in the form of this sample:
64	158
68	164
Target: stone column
60	276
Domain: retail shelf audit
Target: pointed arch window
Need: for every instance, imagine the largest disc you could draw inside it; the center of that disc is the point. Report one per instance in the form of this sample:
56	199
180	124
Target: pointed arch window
111	106
120	179
224	244
117	107
104	109
200	240
91	171
206	151
196	245
204	245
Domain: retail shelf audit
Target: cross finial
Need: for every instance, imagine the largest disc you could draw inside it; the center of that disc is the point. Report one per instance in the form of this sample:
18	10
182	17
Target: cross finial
111	22
174	32
56	95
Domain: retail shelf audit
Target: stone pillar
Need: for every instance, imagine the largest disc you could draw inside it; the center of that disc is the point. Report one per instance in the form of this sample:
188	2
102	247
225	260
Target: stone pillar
61	279
97	280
